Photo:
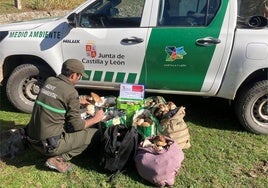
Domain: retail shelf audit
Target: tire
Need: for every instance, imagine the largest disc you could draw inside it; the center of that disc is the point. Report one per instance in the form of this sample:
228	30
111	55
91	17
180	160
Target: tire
252	107
24	84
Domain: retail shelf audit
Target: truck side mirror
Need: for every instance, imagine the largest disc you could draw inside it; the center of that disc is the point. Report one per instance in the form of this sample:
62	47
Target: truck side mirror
72	19
257	22
114	11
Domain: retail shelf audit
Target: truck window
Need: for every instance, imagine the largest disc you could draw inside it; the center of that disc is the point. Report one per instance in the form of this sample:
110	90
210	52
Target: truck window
112	13
187	12
248	8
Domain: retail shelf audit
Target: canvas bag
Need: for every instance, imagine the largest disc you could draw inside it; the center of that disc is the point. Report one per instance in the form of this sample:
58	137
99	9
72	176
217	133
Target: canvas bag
159	166
174	126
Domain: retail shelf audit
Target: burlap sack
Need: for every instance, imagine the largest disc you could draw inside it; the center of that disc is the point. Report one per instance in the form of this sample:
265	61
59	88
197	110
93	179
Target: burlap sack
176	128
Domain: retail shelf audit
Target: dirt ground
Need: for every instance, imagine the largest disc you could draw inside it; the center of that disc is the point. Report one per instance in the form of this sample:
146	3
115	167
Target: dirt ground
25	16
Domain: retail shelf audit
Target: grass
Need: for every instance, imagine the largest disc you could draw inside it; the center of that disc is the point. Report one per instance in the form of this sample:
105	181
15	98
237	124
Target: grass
222	154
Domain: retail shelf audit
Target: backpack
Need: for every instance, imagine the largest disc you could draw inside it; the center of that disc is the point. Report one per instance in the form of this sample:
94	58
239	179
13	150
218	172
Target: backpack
119	145
174	126
12	143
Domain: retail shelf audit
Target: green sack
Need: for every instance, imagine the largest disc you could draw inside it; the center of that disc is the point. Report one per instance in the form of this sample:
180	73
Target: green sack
130	106
151	102
145	122
114	116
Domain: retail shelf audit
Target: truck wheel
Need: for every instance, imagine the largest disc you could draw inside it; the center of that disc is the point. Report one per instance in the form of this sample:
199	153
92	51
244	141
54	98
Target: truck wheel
252	107
24	84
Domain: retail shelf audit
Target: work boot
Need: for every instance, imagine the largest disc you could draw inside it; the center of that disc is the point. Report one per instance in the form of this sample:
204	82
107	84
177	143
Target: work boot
59	164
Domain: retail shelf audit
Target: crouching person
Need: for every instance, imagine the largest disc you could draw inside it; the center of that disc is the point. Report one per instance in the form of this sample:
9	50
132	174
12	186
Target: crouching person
56	107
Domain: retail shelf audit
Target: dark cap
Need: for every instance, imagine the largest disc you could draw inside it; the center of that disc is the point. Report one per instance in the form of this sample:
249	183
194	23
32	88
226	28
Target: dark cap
75	66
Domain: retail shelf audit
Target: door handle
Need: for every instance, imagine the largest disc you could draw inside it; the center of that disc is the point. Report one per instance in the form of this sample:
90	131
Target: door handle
207	41
132	40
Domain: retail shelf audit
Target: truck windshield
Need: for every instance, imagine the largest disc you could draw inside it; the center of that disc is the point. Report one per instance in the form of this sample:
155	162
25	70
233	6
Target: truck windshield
112	13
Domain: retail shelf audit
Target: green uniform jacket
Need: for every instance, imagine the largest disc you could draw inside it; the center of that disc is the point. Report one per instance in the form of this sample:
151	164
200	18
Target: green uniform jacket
57	104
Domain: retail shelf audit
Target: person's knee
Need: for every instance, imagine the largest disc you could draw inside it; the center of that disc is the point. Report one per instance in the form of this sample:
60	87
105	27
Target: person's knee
96	137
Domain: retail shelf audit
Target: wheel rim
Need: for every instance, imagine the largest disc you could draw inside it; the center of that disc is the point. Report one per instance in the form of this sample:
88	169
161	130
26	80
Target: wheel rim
260	111
31	87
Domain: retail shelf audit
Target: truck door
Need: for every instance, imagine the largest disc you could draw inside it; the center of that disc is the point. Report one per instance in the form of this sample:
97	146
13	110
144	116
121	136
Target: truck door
189	46
110	40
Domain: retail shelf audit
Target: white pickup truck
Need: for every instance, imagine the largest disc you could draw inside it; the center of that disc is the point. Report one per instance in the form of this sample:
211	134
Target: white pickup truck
212	48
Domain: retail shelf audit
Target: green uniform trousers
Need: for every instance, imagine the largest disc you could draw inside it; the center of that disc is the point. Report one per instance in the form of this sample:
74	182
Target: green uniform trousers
72	144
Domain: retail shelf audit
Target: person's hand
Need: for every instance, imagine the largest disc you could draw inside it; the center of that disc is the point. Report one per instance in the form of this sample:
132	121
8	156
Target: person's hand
99	115
83	100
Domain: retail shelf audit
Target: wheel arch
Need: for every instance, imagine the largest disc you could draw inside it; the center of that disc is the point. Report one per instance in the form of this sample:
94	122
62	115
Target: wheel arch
14	61
258	75
250	101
